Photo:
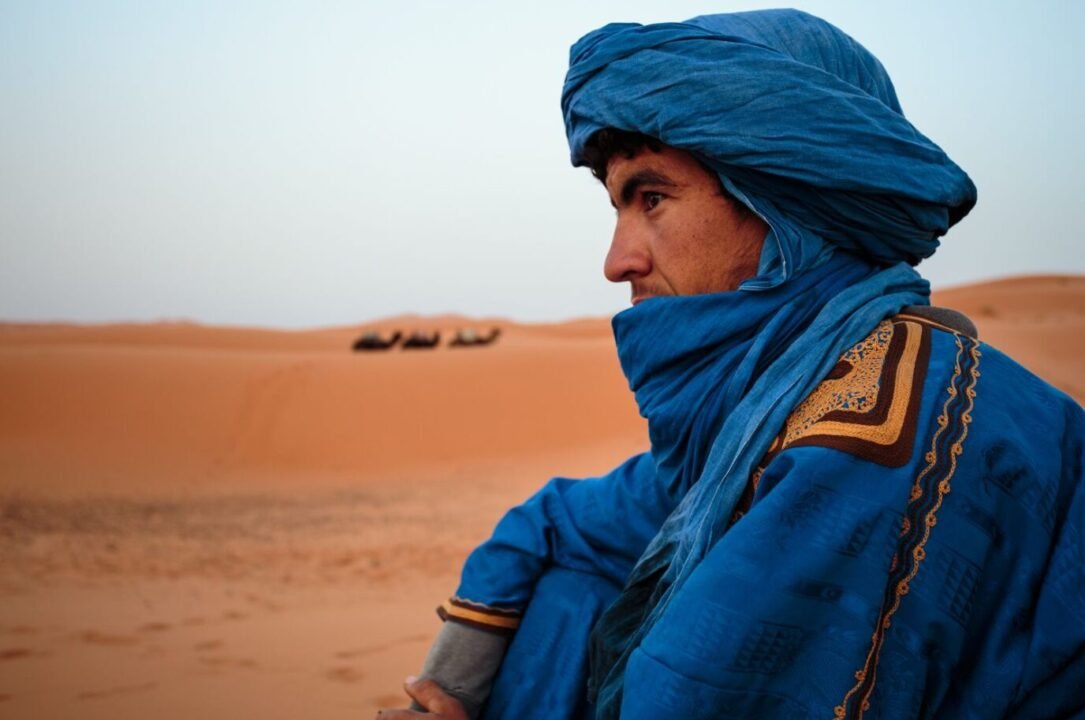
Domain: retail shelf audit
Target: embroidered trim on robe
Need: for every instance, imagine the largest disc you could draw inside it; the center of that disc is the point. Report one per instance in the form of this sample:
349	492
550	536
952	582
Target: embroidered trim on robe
477	615
868	406
930	488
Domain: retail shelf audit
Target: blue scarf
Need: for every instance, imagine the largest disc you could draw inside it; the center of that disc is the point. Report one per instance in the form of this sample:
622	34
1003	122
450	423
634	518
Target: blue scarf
803	126
716	376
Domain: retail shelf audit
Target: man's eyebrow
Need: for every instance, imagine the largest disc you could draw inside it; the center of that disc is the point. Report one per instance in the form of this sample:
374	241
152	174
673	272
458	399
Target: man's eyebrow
639	178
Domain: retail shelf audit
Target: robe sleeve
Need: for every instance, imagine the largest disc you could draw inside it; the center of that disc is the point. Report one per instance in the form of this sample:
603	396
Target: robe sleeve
599	526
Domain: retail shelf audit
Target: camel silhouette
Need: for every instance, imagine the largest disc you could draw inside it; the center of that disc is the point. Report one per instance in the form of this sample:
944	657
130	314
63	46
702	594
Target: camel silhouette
470	338
421	341
372	341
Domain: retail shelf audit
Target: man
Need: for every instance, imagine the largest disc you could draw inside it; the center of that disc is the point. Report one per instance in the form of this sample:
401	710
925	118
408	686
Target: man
851	508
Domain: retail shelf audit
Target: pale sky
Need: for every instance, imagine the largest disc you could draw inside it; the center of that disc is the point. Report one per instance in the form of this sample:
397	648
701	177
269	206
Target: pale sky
299	164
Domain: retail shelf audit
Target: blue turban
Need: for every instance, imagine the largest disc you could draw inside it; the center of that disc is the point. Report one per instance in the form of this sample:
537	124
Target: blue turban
799	121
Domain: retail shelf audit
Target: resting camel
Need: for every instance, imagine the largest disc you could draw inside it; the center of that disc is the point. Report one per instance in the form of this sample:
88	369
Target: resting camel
372	341
421	341
470	338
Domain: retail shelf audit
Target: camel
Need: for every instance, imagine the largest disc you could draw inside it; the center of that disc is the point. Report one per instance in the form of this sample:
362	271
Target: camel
421	341
470	338
372	341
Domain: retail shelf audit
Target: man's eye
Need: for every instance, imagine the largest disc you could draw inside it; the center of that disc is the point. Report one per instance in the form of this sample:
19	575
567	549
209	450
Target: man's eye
651	199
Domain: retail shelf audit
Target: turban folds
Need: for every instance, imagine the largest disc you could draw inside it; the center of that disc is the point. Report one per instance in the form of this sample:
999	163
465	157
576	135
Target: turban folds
799	121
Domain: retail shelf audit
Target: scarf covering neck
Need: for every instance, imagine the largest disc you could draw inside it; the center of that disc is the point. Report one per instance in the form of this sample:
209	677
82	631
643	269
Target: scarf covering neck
802	125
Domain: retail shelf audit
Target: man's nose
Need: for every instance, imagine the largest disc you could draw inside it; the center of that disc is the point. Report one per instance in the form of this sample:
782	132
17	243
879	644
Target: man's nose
628	257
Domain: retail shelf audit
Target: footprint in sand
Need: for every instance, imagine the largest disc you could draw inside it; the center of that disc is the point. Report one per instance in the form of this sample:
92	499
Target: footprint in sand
95	637
381	647
222	661
154	627
262	603
21	630
118	690
344	674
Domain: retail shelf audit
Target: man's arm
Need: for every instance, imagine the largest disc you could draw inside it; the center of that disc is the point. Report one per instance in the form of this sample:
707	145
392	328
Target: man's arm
463	662
598	526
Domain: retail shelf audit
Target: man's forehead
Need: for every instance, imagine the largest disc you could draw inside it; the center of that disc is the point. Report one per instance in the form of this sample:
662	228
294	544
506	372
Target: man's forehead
662	162
668	165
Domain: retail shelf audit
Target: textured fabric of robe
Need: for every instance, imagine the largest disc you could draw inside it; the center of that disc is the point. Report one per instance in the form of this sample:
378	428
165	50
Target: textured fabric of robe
951	585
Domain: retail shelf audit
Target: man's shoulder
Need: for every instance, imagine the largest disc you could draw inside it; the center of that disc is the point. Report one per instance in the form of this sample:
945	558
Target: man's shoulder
916	373
870	403
1004	381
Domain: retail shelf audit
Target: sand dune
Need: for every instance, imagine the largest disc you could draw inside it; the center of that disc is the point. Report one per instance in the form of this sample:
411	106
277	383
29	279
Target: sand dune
222	522
101	409
1039	321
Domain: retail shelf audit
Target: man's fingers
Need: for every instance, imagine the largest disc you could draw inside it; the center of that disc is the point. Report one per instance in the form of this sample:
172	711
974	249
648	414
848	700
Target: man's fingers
429	695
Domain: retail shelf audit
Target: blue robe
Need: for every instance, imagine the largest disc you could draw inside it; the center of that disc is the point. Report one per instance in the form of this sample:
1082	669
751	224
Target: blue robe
947	585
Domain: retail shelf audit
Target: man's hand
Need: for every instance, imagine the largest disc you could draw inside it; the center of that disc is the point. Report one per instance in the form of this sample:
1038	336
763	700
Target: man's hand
438	704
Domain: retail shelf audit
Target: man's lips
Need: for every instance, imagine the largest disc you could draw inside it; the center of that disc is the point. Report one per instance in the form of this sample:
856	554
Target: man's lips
642	294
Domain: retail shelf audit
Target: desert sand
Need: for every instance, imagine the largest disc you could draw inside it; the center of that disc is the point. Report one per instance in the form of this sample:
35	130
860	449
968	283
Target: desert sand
223	522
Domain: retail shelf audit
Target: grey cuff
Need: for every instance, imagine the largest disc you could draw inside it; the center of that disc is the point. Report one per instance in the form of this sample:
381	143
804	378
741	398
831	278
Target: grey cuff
464	661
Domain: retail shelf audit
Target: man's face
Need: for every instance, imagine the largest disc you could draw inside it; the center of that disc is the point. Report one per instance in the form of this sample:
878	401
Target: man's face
676	233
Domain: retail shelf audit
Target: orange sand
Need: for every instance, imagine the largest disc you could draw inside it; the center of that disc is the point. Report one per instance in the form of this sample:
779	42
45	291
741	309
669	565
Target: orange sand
223	522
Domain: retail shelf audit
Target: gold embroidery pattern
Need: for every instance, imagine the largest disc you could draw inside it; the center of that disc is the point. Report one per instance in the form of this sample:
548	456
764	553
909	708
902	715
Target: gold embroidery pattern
928	491
869	404
856	392
888	431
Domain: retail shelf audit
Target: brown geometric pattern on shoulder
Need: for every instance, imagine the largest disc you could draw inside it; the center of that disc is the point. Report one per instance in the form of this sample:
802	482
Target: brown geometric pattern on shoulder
868	406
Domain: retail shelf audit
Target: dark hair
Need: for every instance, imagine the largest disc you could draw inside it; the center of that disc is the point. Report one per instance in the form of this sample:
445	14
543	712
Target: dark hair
605	143
608	142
